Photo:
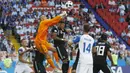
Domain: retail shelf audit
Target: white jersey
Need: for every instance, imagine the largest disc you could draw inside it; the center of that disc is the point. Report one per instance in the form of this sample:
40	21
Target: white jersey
23	67
25	56
85	46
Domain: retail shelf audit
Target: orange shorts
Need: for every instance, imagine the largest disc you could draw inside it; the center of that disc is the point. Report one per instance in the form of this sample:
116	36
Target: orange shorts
42	46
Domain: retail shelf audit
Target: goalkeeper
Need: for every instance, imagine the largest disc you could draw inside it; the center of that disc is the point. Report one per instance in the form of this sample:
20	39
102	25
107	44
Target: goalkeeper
41	42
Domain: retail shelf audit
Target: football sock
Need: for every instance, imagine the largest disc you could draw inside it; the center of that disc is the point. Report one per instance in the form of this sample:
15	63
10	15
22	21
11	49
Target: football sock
56	56
50	61
65	67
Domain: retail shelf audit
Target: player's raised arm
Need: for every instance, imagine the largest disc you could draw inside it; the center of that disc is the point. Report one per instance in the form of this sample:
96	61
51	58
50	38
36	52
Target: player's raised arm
76	39
21	56
57	19
53	21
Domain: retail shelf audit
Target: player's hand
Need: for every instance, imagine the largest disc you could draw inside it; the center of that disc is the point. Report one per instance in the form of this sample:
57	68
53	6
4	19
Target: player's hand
73	71
30	63
70	42
29	50
63	14
112	64
65	40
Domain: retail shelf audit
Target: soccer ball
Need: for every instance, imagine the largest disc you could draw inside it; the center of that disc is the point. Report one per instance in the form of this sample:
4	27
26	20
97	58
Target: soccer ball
69	4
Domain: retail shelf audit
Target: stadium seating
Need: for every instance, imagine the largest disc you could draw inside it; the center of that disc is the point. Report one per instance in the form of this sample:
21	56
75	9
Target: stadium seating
111	17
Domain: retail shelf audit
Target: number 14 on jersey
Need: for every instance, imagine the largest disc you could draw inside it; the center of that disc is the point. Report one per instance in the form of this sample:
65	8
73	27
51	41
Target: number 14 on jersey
86	48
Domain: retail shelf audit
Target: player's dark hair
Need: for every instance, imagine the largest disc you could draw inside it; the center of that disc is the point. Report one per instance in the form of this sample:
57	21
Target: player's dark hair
86	27
22	40
61	22
104	36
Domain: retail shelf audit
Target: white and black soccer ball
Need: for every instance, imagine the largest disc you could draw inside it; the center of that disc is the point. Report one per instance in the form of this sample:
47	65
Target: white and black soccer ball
69	4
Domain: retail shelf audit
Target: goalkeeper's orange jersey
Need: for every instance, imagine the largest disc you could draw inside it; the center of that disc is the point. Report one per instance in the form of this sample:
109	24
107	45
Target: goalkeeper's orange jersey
41	37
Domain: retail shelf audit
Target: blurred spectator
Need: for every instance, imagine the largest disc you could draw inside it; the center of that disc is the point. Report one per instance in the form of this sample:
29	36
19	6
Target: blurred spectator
111	40
45	12
13	54
5	42
63	5
14	12
112	4
28	5
37	3
127	5
1	32
12	48
85	9
109	32
24	9
3	55
99	6
97	36
128	20
2	46
115	56
121	19
92	18
123	35
121	9
57	4
98	29
51	3
122	46
1	12
7	62
49	15
52	13
116	39
127	58
128	34
122	49
92	31
70	19
21	13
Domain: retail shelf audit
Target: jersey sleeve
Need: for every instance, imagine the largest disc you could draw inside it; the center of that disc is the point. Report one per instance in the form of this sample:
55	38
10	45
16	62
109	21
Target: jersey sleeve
20	50
94	44
76	39
54	20
108	46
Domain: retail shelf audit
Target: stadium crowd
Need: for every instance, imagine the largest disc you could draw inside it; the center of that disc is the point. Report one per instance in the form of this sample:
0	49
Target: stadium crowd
21	18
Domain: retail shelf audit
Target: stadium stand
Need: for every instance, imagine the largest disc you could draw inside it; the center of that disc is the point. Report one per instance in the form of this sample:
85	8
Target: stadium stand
117	12
107	16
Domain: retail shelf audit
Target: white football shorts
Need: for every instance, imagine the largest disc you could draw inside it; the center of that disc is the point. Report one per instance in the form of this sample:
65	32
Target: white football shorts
22	68
84	68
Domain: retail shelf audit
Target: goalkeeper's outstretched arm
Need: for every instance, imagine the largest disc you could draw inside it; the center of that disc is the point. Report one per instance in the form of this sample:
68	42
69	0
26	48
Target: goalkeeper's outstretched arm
55	20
